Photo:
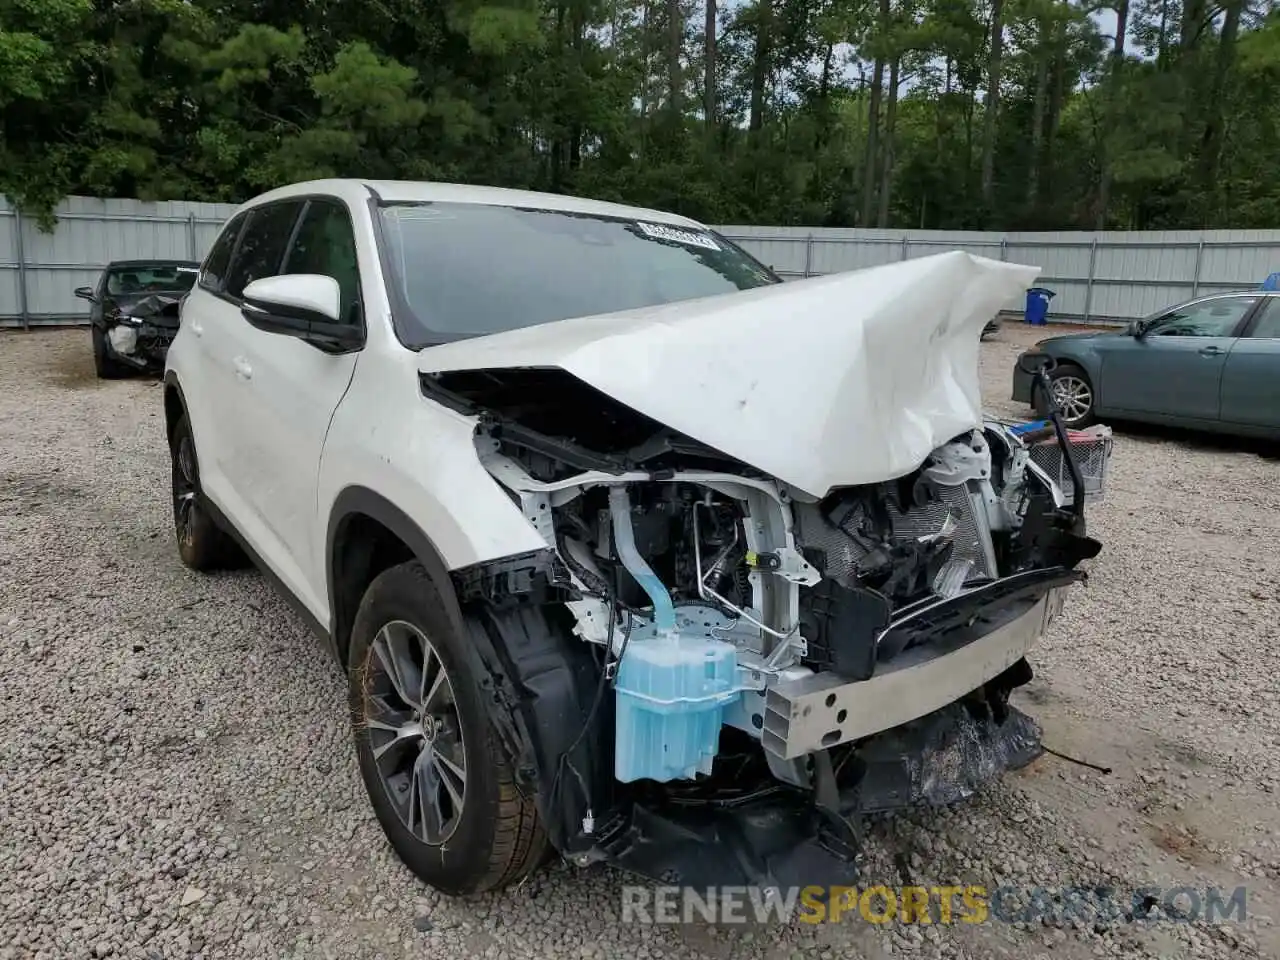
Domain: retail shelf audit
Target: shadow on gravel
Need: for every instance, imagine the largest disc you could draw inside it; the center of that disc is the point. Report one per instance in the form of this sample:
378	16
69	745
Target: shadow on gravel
1267	449
24	493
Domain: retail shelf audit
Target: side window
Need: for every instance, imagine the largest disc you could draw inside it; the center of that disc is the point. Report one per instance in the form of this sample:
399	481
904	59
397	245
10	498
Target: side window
1267	326
262	247
326	244
1212	318
214	269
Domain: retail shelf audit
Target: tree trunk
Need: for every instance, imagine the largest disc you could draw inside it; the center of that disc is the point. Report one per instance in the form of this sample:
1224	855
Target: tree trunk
1212	141
1037	116
823	126
873	124
709	67
675	39
644	77
890	122
1162	44
1109	116
760	66
991	109
1192	26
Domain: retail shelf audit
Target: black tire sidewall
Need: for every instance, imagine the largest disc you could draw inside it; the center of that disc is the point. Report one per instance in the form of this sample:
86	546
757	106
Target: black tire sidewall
103	365
208	547
463	864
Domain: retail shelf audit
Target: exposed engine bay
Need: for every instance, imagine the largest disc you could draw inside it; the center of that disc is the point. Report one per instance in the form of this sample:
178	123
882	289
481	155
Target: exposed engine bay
761	664
139	334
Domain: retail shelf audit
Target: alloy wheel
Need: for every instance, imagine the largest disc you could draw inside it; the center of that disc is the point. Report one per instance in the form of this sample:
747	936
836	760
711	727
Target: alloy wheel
415	733
1073	396
184	487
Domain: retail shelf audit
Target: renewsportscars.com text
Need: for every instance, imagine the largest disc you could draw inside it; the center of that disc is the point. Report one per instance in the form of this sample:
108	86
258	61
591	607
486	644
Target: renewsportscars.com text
1097	905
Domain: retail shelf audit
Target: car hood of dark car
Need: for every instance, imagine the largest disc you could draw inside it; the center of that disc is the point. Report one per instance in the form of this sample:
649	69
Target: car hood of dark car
124	302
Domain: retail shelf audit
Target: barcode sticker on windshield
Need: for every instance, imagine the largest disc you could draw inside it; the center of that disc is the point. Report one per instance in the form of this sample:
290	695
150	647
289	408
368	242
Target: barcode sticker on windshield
662	232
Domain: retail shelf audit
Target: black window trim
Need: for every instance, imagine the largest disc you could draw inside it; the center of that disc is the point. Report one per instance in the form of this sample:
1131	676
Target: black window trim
216	289
221	293
351	220
400	307
305	200
1255	316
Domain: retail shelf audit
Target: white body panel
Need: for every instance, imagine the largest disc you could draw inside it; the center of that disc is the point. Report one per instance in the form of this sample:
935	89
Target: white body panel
847	379
839	380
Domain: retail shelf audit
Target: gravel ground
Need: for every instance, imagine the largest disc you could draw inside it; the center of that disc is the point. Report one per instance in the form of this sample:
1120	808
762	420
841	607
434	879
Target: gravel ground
176	777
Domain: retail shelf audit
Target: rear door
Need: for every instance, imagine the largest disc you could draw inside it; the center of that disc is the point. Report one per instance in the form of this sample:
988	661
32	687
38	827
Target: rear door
1251	375
1174	371
287	394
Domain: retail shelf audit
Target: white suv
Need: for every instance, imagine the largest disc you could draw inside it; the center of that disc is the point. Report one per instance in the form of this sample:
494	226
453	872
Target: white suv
629	550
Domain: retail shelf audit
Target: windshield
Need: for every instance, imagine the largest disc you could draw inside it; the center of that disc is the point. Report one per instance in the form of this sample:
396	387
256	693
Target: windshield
151	278
463	269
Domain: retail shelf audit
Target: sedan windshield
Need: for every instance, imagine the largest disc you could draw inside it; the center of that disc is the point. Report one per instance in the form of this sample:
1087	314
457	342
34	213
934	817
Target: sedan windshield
461	269
150	278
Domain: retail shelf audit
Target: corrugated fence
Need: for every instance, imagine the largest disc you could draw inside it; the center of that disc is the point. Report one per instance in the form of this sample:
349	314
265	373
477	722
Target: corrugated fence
39	271
1096	277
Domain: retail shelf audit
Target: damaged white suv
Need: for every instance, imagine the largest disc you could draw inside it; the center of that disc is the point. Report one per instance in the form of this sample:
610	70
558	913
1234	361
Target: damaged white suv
631	551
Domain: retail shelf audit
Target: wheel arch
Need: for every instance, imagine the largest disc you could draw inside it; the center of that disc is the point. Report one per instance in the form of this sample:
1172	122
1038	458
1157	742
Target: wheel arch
175	404
366	534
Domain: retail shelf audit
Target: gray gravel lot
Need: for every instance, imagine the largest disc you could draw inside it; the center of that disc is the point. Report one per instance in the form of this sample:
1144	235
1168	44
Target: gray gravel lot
176	778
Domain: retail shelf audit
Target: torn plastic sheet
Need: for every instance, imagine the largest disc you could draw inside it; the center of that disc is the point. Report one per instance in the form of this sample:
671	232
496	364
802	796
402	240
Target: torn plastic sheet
850	378
781	840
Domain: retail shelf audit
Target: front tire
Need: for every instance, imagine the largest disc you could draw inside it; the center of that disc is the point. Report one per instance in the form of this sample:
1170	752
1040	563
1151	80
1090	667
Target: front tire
1074	393
202	544
439	780
103	365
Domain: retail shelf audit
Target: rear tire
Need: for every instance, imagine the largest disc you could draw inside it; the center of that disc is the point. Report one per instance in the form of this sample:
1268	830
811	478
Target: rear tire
202	544
105	367
1074	393
438	778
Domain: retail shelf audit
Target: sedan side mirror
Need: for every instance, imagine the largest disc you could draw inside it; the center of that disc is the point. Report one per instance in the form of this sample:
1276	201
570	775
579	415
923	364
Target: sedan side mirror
303	305
1138	328
85	293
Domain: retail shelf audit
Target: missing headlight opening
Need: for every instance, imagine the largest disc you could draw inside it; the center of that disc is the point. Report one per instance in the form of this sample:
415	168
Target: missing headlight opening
756	653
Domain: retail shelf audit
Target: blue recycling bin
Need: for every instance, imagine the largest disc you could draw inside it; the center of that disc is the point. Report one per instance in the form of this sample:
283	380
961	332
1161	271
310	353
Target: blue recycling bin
1272	282
1037	310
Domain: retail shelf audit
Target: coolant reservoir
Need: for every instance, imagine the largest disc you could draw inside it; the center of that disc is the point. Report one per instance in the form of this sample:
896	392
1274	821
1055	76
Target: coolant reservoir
672	694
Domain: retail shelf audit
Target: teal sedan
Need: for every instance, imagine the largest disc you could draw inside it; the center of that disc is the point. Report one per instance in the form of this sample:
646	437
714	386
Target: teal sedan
1211	364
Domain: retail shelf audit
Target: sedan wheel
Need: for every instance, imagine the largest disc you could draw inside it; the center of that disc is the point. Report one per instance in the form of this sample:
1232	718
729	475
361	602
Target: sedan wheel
415	733
1074	396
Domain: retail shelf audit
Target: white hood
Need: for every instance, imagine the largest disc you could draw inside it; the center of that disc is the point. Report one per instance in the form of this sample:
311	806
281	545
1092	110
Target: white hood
845	379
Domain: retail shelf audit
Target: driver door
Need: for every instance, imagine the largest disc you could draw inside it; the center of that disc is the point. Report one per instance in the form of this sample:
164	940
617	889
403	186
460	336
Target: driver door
1173	371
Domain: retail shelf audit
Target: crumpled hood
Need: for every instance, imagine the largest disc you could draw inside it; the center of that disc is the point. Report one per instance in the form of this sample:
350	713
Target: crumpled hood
845	379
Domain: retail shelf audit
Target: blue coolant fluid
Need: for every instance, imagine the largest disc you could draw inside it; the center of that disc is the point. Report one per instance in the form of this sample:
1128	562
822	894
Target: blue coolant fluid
672	694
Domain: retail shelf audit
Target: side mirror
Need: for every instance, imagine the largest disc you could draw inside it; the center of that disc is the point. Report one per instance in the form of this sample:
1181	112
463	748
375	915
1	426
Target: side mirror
1139	328
85	293
303	305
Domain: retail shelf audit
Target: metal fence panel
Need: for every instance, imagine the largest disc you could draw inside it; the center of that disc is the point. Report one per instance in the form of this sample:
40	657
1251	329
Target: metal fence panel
39	271
1096	277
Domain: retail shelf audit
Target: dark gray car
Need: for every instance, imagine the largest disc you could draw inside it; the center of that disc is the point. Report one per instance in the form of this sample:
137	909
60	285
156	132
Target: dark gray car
1212	363
133	313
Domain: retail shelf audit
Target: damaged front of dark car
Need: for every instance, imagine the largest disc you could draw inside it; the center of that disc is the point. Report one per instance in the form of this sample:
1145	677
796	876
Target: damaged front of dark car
134	313
756	622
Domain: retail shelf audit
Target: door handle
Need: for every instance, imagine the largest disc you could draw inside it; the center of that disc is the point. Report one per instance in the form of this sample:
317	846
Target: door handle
243	370
1211	351
197	328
